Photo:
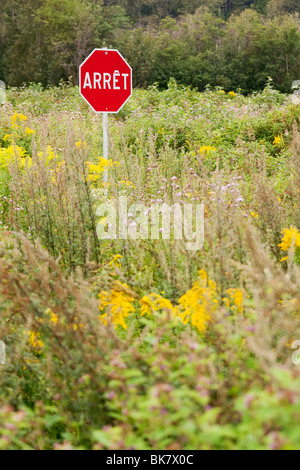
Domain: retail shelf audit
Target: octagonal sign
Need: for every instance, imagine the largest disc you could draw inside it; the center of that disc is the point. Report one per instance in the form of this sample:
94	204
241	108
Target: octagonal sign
105	80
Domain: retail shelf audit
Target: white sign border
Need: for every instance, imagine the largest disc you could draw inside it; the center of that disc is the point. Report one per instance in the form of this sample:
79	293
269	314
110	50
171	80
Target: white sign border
104	50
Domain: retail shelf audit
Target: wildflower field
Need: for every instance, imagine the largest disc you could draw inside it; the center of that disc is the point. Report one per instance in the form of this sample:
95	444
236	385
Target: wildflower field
123	344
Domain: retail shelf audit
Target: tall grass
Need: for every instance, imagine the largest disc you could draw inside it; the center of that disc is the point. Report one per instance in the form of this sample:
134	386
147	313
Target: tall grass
124	344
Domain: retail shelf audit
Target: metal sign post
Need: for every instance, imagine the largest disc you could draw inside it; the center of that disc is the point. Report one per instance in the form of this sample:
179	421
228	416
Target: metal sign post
105	145
105	82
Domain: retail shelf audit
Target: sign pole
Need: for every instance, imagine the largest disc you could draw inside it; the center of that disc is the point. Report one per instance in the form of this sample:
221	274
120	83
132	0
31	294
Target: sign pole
105	82
105	144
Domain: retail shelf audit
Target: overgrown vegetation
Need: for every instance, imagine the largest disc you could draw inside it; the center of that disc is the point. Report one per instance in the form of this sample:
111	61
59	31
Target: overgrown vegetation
142	344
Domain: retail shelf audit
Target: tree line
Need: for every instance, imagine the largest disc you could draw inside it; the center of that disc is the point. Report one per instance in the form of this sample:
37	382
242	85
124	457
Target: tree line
228	43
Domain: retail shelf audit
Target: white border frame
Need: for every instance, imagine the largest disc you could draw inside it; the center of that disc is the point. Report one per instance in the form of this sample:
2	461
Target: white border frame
105	50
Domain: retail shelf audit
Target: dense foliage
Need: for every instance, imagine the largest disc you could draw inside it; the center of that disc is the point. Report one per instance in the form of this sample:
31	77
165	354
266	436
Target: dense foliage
118	344
233	43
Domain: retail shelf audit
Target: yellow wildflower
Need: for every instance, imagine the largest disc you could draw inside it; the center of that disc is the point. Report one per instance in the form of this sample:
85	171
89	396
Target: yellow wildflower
198	305
29	131
76	324
127	183
278	141
17	118
235	300
13	154
155	302
290	235
81	144
34	339
48	155
95	170
116	305
58	171
114	263
53	316
205	150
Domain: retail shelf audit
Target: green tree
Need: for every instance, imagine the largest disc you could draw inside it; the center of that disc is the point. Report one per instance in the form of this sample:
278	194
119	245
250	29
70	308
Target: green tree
46	40
189	50
277	7
22	49
140	47
256	47
69	32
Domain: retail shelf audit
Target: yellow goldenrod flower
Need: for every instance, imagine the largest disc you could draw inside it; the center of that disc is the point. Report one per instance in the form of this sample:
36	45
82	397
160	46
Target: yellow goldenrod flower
77	325
114	263
14	154
95	170
29	131
153	303
278	141
235	300
17	118
127	183
198	305
290	235
34	340
81	144
116	305
205	150
53	316
48	155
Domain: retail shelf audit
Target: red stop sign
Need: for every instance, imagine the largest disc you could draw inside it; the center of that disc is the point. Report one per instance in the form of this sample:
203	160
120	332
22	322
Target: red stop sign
105	80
